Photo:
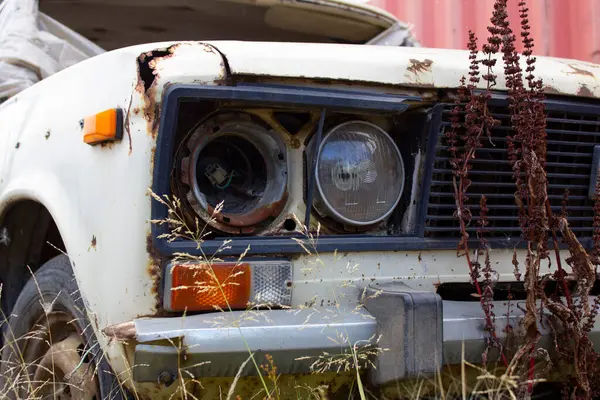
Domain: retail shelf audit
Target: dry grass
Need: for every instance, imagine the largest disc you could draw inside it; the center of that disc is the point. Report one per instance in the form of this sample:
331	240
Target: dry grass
358	356
471	381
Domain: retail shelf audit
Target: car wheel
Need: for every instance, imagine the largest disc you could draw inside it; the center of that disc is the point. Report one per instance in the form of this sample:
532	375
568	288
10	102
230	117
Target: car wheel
50	350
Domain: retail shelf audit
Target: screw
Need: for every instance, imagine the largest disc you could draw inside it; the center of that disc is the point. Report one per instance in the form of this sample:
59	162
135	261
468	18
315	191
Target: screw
167	378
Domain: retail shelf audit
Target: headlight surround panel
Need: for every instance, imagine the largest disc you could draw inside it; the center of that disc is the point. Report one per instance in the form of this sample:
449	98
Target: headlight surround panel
403	132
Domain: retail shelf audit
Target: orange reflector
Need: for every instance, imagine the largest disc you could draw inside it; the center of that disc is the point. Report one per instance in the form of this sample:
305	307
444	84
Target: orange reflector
202	287
103	127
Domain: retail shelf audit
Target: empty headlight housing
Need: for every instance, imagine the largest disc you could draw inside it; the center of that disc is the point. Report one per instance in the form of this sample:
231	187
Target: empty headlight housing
359	174
241	163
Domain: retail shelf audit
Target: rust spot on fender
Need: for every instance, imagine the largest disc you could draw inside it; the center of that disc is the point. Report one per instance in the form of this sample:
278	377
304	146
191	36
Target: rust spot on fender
579	71
147	75
152	158
126	123
121	332
154	271
93	243
417	66
584	91
108	145
551	90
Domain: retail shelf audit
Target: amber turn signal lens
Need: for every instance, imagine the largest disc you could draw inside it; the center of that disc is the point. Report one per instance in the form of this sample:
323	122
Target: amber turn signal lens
103	127
204	287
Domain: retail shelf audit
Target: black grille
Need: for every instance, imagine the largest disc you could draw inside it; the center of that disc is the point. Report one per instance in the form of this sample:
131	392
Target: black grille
571	140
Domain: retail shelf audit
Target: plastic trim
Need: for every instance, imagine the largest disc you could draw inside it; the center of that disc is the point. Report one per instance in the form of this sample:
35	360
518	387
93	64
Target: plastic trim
278	94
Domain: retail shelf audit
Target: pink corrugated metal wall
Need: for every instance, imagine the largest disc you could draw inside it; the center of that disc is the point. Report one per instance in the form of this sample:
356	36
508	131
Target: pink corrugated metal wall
561	28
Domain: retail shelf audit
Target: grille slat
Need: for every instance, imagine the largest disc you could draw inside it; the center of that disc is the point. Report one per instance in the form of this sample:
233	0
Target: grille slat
505	207
496	139
512	185
495	162
501	229
549	153
485	172
500	196
499	218
571	140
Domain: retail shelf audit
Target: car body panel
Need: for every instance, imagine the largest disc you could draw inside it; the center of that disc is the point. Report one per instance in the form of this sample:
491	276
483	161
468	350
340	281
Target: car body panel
98	195
404	66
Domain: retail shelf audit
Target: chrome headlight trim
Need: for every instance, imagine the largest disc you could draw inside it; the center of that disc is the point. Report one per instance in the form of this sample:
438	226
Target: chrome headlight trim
330	210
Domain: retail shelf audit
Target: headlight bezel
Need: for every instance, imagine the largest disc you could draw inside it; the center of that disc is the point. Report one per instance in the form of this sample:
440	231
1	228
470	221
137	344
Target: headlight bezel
183	105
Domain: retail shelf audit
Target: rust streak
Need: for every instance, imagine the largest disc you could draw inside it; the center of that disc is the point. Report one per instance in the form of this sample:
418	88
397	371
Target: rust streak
147	76
154	271
579	71
417	66
126	123
93	243
246	223
584	91
551	90
122	332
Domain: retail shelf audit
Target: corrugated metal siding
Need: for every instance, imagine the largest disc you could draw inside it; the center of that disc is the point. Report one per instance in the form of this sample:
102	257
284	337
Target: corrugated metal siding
561	28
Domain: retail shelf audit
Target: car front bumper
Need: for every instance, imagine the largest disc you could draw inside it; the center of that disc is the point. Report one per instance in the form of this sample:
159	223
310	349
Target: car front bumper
415	332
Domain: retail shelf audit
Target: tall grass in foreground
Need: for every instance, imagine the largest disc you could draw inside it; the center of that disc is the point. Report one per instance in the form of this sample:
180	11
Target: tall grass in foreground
356	358
542	230
469	382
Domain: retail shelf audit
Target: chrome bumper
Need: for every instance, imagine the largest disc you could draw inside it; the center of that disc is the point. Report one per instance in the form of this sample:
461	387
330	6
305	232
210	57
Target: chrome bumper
218	344
419	330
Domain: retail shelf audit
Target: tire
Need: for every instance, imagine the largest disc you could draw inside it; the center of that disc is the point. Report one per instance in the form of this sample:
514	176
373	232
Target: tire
28	361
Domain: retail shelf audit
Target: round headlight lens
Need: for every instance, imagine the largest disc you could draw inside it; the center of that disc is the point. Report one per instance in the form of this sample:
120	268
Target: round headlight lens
360	173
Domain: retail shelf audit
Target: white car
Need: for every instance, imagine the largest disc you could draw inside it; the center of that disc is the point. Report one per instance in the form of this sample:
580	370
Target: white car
314	128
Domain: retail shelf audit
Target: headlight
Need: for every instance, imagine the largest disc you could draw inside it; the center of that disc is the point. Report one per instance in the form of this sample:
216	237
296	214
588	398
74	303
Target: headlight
240	163
360	174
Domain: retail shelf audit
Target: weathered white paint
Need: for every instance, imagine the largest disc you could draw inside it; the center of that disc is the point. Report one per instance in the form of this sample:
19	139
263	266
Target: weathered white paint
439	68
99	192
340	277
102	192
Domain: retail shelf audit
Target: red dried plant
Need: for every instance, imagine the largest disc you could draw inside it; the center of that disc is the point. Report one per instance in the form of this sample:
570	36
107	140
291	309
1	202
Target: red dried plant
527	145
477	123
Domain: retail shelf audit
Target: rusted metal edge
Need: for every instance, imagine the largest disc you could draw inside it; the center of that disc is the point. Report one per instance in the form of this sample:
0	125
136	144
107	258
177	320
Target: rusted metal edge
122	332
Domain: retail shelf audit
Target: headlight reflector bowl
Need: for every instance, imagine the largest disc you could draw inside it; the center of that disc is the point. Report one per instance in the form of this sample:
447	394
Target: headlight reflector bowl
241	163
360	174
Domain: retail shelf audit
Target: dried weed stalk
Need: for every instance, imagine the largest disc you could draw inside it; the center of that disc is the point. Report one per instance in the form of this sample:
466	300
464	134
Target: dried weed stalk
541	229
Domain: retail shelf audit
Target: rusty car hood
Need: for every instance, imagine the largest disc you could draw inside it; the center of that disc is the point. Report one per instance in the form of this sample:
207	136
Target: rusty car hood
38	39
407	66
113	24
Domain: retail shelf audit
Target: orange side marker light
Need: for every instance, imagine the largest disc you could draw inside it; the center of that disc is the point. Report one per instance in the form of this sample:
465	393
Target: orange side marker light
201	287
103	127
